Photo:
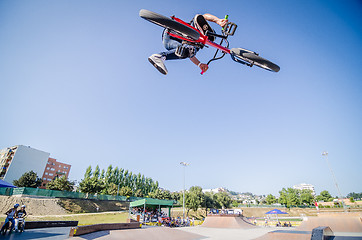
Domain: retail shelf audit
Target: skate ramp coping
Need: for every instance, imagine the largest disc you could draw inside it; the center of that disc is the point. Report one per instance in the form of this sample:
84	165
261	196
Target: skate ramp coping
227	221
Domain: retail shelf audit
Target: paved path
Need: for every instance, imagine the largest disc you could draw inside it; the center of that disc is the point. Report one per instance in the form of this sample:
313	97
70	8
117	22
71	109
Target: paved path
58	233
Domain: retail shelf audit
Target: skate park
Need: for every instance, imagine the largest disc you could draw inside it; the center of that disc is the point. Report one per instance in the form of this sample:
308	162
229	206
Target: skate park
347	226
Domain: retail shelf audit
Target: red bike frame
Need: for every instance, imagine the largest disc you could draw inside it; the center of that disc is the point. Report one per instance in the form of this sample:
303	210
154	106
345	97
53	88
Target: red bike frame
204	40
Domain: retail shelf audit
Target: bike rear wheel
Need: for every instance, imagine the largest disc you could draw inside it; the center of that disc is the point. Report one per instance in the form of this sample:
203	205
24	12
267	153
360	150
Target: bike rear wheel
169	23
254	59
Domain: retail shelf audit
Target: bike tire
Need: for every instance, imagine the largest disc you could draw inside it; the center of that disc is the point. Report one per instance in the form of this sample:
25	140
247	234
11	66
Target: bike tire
169	23
255	59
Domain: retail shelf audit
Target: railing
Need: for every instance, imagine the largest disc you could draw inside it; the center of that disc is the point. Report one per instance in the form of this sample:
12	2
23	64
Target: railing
62	194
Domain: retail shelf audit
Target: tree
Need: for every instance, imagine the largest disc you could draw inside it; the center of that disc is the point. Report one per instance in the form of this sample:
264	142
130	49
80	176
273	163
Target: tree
208	202
175	196
324	196
28	179
160	194
289	197
306	197
354	195
61	184
91	185
270	199
194	198
138	193
112	189
223	199
125	191
88	172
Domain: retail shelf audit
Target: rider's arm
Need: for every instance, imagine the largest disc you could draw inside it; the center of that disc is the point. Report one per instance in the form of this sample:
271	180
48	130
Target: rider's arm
202	66
212	18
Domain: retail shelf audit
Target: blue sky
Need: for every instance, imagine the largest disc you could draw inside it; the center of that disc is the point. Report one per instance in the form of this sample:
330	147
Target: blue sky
75	82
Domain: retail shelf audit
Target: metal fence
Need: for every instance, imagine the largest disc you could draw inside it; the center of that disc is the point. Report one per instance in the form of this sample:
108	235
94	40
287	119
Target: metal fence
61	194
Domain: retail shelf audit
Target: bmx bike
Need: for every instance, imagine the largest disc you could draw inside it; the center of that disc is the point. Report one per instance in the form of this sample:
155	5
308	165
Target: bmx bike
6	227
189	35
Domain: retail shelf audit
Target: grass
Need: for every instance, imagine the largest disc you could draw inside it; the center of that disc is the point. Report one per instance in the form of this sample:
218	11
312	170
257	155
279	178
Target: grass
86	219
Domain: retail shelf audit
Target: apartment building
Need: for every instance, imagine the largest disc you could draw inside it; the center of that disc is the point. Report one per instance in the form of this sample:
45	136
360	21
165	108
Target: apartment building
17	160
54	169
306	186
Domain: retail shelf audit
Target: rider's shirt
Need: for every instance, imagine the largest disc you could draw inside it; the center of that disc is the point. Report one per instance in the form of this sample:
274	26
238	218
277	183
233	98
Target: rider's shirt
21	213
11	213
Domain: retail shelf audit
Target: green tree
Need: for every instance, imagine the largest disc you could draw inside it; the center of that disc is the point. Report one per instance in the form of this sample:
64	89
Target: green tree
223	199
208	202
112	189
138	193
91	185
270	199
61	184
126	191
354	195
289	197
306	197
160	194
97	172
28	179
324	196
235	203
175	196
88	172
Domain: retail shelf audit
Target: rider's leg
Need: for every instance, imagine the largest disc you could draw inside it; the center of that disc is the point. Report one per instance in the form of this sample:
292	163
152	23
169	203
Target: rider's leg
12	224
6	221
16	224
158	60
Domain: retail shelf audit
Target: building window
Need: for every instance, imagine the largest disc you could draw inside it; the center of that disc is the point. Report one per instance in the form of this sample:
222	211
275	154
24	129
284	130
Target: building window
44	179
49	179
46	173
51	174
48	168
52	169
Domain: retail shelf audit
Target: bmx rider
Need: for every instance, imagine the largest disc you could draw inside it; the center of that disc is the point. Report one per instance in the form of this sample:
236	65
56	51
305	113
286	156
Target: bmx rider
171	44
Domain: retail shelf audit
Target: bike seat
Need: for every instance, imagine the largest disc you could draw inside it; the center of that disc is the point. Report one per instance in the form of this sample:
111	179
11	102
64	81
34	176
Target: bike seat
203	26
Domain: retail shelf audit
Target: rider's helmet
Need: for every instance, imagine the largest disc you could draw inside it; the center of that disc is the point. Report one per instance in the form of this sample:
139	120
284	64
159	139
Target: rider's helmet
23	206
16	205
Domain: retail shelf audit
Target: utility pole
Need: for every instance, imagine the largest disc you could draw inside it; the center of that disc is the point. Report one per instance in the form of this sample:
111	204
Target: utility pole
184	164
325	154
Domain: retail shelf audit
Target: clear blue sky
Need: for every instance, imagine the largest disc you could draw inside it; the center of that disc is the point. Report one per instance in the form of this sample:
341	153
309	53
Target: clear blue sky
75	82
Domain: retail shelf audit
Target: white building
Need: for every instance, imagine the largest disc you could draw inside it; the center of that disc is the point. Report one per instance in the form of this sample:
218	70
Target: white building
303	186
215	190
15	161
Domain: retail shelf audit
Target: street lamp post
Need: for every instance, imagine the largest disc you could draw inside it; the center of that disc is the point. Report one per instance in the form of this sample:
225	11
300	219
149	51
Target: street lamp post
184	164
325	154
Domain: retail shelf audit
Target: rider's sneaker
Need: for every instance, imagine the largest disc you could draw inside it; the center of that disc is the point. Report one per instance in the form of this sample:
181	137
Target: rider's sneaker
157	60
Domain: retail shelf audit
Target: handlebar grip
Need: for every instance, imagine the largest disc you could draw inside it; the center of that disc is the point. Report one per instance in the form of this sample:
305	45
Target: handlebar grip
226	17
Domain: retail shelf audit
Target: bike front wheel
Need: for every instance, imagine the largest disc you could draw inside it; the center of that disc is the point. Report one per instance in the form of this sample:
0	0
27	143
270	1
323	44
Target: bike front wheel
252	59
169	23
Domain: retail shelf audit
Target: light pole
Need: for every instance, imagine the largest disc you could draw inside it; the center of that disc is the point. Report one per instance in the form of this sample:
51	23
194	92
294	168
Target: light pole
184	164
325	154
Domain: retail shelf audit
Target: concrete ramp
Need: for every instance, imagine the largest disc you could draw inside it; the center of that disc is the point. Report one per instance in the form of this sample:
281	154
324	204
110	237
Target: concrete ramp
227	221
338	223
342	226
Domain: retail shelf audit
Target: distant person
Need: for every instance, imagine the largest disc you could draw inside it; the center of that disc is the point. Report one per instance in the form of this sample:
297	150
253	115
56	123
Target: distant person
21	214
10	215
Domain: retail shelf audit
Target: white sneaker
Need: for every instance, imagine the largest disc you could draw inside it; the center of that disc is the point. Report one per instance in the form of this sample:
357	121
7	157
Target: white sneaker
157	61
